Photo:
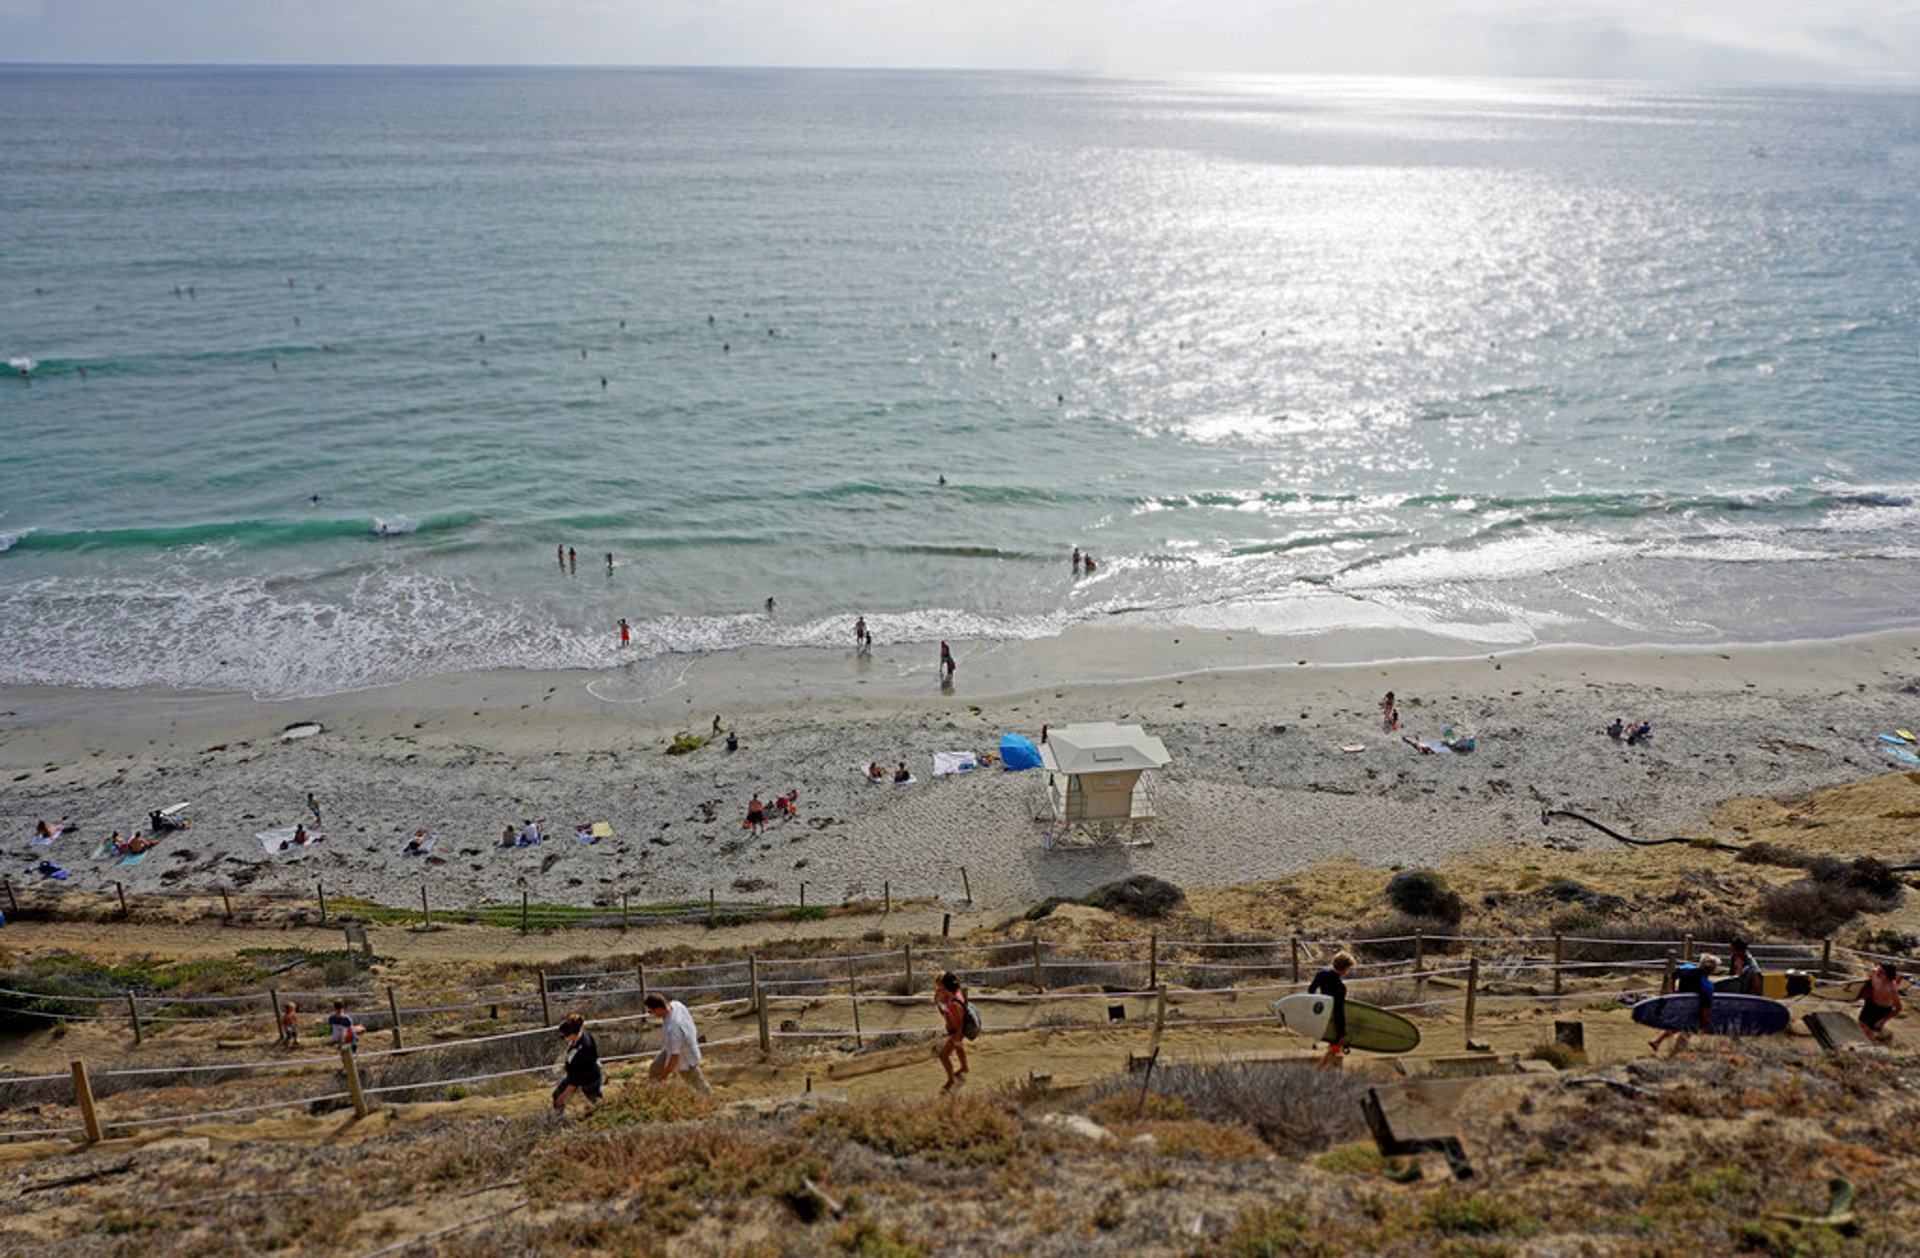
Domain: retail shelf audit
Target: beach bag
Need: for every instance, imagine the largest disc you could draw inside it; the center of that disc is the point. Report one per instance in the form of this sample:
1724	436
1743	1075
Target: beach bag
969	1021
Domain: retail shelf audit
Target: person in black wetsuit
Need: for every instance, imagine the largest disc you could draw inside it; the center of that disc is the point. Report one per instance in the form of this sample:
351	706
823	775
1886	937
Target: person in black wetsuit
1333	982
582	1070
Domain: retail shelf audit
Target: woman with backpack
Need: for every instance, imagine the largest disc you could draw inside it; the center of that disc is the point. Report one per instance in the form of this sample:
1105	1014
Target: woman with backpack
952	1004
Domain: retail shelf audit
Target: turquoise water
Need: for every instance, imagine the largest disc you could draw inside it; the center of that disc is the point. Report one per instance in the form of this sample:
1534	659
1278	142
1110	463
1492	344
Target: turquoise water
1491	362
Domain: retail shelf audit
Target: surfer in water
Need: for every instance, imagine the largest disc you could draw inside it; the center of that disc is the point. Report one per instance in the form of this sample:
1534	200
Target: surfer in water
1332	982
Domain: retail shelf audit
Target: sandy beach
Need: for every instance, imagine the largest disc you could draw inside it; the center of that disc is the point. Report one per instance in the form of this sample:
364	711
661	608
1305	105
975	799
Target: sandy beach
1260	785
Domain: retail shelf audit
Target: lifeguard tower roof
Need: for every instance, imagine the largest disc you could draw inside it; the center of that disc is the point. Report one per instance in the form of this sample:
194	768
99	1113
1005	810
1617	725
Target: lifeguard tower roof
1102	747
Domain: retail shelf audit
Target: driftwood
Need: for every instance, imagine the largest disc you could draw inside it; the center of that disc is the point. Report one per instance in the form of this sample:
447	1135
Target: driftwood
100	1172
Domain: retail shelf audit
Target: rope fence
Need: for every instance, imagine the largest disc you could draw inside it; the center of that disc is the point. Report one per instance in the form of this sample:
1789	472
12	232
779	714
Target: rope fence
1148	970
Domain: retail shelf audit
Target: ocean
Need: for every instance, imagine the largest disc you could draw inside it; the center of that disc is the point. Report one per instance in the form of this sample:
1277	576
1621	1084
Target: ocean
322	365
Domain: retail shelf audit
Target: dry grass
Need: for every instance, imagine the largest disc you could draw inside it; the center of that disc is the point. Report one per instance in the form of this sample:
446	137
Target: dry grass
963	1132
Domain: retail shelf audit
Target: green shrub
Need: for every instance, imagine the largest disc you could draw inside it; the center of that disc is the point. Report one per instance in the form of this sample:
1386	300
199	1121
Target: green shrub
685	743
1141	895
1424	893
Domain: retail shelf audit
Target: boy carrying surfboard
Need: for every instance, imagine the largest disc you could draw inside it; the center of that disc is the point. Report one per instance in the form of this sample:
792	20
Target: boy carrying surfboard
1696	979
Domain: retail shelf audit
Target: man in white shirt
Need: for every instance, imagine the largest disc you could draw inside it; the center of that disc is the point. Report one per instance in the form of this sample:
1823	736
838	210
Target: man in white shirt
679	1043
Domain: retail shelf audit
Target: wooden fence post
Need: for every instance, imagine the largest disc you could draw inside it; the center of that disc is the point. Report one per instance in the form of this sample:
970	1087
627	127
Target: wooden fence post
1159	1010
1559	959
886	891
13	905
1473	991
351	1069
766	1033
640	972
546	1017
273	994
1153	959
1666	980
967	884
1826	958
946	920
1296	958
1039	974
1689	953
320	891
426	914
121	889
908	950
854	988
133	1012
753	980
803	893
227	900
83	1094
393	1007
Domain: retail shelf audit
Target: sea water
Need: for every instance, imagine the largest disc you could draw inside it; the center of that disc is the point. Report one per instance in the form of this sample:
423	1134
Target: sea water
321	366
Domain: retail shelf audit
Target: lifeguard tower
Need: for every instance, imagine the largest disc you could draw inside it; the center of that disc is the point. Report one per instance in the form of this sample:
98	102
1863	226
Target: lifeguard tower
1094	783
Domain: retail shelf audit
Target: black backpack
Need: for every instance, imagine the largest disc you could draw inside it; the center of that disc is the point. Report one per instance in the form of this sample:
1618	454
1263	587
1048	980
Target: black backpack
969	1020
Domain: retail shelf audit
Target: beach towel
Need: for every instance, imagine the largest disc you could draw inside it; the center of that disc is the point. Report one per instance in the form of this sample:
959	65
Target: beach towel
426	845
592	833
47	869
42	841
134	858
946	762
271	841
1427	746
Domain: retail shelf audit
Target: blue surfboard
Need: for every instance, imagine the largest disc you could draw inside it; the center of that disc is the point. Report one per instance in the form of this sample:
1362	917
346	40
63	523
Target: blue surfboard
1731	1015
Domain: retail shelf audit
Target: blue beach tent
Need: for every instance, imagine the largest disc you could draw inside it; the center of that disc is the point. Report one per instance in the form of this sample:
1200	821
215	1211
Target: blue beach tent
1018	753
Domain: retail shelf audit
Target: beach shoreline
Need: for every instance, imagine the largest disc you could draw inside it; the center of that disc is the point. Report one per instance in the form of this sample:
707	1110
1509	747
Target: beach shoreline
1259	785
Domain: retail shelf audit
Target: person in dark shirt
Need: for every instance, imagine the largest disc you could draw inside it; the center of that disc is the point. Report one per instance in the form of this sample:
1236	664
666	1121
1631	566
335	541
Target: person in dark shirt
1332	982
582	1063
1695	979
1743	975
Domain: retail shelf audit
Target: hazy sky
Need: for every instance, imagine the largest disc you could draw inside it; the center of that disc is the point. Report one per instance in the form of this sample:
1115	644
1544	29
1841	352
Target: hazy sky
1718	40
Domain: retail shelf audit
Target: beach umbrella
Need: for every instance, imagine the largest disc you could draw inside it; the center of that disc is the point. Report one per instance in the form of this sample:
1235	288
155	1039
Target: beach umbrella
1018	753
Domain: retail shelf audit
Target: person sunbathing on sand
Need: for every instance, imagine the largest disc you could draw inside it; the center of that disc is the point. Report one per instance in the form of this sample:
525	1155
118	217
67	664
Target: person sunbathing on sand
876	772
902	774
415	844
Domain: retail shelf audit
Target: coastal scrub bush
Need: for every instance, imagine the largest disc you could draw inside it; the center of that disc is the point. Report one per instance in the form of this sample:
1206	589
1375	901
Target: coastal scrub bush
968	1131
685	743
1766	852
1271	1231
1832	894
1141	895
1814	910
1294	1108
671	1176
1391	938
1424	893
